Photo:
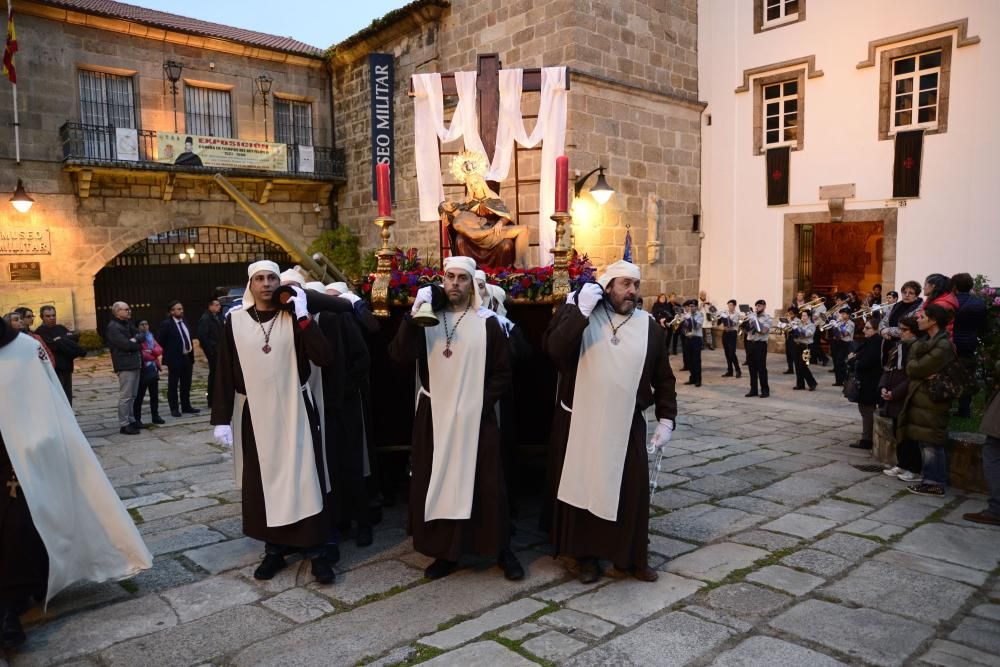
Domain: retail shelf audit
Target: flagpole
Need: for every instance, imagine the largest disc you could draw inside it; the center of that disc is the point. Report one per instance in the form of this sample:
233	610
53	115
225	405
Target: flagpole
17	126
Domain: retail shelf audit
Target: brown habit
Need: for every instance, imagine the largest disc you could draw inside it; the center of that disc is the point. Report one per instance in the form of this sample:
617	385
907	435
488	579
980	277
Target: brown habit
487	530
574	531
310	345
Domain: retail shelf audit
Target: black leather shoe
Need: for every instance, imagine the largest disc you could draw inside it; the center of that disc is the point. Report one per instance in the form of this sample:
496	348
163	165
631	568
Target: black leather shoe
765	394
131	429
322	570
270	566
11	633
689	382
590	570
798	388
697	384
140	425
191	411
333	553
738	374
727	375
511	566
158	420
364	537
175	413
749	394
440	568
788	373
812	387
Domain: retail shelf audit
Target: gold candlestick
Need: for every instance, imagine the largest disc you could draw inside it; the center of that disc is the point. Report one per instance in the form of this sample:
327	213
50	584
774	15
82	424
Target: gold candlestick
560	272
380	288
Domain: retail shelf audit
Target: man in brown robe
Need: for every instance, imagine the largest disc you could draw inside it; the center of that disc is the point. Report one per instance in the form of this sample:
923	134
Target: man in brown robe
458	501
612	363
261	374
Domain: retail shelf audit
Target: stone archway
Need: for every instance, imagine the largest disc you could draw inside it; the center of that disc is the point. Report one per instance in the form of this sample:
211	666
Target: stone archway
791	252
151	272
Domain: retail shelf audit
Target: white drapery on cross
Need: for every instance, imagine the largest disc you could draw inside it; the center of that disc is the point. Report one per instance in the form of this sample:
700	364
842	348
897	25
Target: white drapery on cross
550	129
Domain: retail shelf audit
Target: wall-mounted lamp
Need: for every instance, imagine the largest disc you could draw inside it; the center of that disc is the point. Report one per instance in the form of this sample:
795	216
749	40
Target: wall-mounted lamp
600	191
172	73
263	83
188	254
21	201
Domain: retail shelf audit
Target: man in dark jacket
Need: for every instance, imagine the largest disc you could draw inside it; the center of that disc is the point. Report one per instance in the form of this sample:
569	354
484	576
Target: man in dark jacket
210	328
64	346
970	318
126	360
178	355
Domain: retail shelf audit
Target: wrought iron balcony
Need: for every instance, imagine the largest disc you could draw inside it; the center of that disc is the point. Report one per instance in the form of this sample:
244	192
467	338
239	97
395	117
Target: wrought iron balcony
96	145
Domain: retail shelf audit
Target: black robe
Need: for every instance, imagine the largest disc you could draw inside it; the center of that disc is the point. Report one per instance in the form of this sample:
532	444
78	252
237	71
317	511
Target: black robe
487	530
342	385
310	345
574	531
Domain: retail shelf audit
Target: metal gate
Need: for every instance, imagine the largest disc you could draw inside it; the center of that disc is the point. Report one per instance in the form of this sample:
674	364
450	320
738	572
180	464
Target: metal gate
191	265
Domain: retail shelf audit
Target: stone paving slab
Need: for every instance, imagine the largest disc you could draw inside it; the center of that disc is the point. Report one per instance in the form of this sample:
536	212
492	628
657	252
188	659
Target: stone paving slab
553	646
627	601
299	605
680	636
745	600
800	525
355	585
209	596
227	555
972	547
836	510
865	634
703	523
950	654
938	568
480	654
979	633
846	546
765	540
785	579
773	653
571	621
180	539
494	619
715	561
883	531
817	562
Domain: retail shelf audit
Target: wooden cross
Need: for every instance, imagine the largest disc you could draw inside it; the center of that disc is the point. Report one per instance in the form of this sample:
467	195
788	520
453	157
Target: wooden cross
488	104
13	484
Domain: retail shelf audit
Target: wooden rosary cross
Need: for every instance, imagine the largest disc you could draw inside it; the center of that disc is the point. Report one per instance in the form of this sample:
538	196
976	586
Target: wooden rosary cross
13	484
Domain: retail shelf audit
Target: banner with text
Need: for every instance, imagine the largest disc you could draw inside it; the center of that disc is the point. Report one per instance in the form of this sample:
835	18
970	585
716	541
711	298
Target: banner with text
381	74
192	150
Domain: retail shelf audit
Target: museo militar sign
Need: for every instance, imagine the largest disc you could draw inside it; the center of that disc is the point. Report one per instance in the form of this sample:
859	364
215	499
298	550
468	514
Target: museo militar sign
18	241
380	66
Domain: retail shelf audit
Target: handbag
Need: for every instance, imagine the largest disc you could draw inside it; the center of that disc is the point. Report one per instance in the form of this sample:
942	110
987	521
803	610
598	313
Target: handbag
949	383
852	388
150	372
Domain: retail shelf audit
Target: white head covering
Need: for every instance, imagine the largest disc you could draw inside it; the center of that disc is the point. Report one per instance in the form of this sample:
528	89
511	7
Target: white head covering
480	276
293	275
255	268
339	287
315	286
620	269
499	295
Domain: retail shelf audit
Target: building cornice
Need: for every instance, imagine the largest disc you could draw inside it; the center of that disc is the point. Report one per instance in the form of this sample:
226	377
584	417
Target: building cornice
961	26
808	61
134	29
392	26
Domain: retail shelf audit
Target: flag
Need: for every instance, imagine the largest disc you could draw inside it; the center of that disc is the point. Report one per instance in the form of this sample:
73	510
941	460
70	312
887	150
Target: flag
906	166
10	49
628	245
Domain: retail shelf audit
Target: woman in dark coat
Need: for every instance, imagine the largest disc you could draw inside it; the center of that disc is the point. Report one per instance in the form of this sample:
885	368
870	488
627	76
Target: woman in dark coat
923	419
867	358
892	388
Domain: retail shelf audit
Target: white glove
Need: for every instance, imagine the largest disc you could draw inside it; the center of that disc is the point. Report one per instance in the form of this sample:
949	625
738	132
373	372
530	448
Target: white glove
661	436
590	295
223	436
351	296
571	298
299	301
424	295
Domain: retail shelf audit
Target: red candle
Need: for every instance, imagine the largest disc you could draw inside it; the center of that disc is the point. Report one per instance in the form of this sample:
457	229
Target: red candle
562	183
384	191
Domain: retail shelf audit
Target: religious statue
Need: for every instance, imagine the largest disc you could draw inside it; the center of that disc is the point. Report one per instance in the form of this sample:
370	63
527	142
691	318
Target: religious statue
481	227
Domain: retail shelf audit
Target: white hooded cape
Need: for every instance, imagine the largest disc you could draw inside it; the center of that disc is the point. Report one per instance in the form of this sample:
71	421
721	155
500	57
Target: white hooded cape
86	531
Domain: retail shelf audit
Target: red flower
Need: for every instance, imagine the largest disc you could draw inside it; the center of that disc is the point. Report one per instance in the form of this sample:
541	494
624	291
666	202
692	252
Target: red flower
367	287
525	282
393	283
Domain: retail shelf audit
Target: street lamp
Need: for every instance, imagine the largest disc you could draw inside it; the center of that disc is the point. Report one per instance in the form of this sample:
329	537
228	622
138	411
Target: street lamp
21	201
601	191
263	83
172	71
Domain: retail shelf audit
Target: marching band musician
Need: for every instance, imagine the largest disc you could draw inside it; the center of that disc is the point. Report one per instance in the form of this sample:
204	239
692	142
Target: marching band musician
758	326
803	334
841	338
708	311
792	315
818	317
730	321
691	328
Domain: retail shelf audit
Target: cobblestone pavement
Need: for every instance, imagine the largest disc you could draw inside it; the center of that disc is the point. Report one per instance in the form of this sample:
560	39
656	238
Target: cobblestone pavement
772	550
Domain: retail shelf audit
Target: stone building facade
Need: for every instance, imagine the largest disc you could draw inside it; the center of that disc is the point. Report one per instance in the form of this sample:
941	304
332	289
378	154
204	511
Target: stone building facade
93	206
632	107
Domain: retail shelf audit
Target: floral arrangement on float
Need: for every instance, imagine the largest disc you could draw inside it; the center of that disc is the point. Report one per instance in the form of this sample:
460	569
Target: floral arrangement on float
409	273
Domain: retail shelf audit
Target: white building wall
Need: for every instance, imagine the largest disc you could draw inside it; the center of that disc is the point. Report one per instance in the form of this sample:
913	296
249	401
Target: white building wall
953	226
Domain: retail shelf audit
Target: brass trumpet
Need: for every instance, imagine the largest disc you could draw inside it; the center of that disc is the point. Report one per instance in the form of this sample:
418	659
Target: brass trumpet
866	311
814	304
675	323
